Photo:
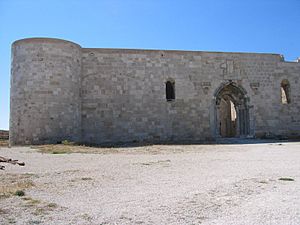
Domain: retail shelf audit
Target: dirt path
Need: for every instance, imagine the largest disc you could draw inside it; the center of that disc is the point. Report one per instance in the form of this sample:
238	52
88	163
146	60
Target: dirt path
161	184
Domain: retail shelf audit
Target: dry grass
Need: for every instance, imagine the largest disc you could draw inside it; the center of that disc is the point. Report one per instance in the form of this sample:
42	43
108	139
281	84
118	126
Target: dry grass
124	149
3	211
38	207
52	205
43	209
11	183
67	149
31	202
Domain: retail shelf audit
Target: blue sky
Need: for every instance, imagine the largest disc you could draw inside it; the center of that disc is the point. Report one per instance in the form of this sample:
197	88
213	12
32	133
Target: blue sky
271	26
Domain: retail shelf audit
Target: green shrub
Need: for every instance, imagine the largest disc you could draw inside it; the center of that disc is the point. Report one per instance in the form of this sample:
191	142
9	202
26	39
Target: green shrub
66	142
52	205
286	179
59	152
86	178
19	193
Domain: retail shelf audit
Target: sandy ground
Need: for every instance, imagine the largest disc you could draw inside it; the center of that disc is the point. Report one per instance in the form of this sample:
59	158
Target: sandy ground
160	184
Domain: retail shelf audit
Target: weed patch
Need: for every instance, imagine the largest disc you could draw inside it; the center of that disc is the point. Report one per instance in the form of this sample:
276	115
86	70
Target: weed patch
19	193
286	179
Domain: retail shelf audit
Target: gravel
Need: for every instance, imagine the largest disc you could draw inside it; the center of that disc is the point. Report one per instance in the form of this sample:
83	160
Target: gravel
159	184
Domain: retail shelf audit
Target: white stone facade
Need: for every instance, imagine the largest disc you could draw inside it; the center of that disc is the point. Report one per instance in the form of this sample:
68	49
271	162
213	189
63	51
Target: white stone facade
60	91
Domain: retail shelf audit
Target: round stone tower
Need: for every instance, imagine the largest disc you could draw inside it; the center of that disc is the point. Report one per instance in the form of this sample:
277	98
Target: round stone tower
45	104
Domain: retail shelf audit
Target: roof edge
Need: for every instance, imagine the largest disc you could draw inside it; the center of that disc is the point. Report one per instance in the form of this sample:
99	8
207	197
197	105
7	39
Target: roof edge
44	39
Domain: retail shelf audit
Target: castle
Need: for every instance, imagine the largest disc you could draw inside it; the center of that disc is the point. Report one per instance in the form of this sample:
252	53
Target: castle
61	91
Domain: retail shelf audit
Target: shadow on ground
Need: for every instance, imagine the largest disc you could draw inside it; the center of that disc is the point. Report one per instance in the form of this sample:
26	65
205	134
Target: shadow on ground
219	141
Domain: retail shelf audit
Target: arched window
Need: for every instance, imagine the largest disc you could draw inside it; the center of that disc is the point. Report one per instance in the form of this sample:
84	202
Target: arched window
285	92
170	90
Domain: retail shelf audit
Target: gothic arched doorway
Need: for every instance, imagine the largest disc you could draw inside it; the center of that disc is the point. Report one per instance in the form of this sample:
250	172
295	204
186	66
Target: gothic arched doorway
232	118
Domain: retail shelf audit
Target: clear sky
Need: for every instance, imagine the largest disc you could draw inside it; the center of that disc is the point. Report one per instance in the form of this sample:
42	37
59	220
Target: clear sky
271	26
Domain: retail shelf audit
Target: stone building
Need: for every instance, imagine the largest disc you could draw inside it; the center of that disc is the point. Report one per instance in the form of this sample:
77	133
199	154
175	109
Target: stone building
61	91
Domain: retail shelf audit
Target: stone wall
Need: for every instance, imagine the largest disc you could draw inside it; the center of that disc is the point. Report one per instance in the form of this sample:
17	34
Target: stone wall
118	95
4	134
124	93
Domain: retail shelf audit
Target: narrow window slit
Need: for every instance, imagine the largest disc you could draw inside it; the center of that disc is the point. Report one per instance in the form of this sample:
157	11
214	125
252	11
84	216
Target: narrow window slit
170	91
285	92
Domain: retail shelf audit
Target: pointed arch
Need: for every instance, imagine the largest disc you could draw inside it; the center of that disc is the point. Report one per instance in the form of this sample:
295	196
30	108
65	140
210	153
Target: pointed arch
232	111
285	91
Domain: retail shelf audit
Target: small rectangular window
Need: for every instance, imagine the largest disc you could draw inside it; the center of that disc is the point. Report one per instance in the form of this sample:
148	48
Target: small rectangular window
170	91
